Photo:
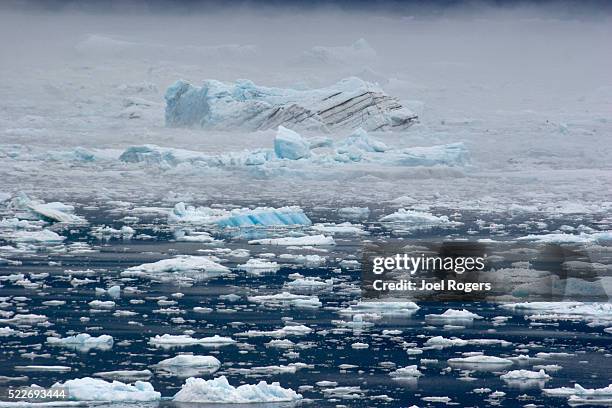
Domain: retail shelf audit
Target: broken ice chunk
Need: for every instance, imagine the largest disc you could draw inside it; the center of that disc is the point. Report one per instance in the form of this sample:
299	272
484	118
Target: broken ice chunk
290	145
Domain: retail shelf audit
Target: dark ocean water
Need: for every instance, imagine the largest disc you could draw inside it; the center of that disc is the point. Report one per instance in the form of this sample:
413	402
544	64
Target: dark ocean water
326	348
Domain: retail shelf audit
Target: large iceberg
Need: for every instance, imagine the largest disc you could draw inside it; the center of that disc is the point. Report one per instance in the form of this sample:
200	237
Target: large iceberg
350	103
220	391
91	389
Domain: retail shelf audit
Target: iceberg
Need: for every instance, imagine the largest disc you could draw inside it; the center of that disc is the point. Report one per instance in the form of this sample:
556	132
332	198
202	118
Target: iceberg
287	330
290	145
91	389
452	316
188	360
350	103
406	372
58	212
179	264
417	219
187	365
219	391
287	299
180	340
257	266
42	237
524	375
480	362
239	218
83	341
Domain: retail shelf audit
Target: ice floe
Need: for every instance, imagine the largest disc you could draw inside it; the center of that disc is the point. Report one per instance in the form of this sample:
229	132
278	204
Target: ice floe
308	240
287	299
409	371
92	389
219	391
83	341
181	340
197	266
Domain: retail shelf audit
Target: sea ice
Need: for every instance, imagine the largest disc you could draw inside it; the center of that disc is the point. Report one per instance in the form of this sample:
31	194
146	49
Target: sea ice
83	341
188	360
179	264
287	299
91	389
309	240
180	340
219	391
409	371
452	316
524	375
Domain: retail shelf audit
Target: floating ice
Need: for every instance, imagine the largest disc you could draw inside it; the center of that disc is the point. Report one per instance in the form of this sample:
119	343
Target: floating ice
480	361
200	265
350	103
309	240
391	307
409	371
288	330
188	360
345	228
418	219
43	236
562	238
596	313
125	374
169	340
309	285
354	213
442	342
580	391
290	145
57	212
287	299
91	389
7	331
259	266
452	316
524	375
245	217
219	391
101	304
83	341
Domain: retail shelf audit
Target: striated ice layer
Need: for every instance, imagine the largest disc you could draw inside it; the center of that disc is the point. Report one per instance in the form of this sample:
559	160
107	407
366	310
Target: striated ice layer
350	103
219	390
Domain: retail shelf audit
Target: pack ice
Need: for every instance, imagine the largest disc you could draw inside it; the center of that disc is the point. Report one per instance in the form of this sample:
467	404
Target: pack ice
350	103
